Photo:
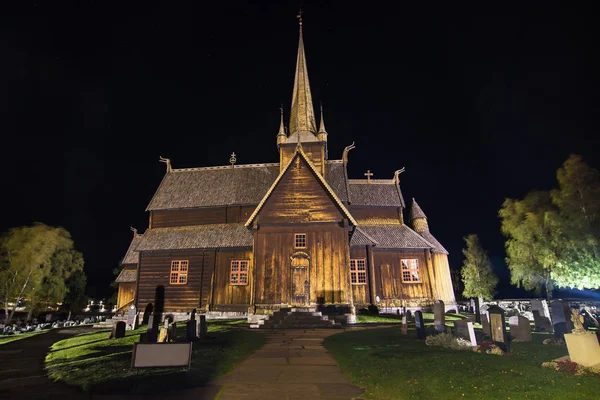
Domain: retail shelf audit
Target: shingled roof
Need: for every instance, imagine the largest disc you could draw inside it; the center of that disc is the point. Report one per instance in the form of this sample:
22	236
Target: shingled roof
378	192
127	275
214	186
437	246
415	210
196	237
395	237
132	256
360	238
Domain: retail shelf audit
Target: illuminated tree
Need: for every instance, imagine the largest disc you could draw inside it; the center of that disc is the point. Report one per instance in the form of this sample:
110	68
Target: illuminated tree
553	237
478	278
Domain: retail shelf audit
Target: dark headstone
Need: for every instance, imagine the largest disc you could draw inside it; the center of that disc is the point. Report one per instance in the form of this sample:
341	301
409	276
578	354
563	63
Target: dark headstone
420	325
147	312
520	328
118	330
373	309
191	332
193	315
476	310
152	335
159	304
498	327
169	318
202	328
408	314
172	332
561	318
464	329
439	316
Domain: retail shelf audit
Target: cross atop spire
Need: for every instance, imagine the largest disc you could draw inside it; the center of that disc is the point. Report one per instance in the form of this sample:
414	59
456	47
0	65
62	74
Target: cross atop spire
299	16
368	174
302	116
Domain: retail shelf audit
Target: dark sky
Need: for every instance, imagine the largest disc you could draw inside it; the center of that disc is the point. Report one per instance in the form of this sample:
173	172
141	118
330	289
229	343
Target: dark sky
478	104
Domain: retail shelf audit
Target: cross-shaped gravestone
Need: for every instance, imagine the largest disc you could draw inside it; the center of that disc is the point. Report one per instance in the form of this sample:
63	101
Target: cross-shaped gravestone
368	174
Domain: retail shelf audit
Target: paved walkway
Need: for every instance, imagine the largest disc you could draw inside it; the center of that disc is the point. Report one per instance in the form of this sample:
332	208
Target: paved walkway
22	374
293	364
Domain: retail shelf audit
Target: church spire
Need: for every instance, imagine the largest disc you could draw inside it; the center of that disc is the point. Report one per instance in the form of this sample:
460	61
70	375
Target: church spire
322	124
302	117
281	136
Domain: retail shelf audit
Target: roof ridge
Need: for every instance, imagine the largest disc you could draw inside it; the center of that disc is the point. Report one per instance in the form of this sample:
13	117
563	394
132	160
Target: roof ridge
236	166
372	181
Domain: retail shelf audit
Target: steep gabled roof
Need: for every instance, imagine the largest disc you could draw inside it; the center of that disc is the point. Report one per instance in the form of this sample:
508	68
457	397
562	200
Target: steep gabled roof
132	256
328	189
360	238
395	237
437	246
377	192
213	186
196	237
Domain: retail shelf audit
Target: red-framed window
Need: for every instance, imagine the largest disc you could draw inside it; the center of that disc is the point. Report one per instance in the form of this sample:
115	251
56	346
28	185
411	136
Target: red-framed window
410	270
358	271
239	272
179	272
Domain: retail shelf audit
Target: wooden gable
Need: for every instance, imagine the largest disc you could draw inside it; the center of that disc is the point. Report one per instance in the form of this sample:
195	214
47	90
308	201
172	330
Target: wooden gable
300	195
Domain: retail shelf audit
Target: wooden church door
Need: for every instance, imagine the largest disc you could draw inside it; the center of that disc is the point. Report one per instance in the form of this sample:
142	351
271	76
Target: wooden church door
300	290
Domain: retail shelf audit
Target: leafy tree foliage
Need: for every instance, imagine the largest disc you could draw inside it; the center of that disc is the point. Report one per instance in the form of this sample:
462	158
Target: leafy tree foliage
553	237
478	278
35	261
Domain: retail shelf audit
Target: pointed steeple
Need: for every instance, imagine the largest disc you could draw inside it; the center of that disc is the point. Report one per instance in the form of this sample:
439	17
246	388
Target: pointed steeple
281	136
418	219
322	124
302	116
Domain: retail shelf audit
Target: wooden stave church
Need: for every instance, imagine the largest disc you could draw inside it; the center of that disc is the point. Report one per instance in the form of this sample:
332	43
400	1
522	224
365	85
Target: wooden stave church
299	233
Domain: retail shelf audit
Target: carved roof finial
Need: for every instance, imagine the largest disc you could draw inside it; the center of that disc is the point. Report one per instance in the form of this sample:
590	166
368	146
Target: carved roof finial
397	175
232	159
166	161
134	230
345	153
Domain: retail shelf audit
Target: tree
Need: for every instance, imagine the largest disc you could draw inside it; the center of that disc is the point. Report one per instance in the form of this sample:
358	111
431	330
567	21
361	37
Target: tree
29	258
553	237
478	278
530	227
75	299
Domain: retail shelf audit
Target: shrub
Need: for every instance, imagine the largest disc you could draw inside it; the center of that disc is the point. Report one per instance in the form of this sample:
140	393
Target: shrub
447	340
488	347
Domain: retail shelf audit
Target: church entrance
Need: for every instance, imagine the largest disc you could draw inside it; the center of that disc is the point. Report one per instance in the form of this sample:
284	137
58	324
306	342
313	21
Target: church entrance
300	293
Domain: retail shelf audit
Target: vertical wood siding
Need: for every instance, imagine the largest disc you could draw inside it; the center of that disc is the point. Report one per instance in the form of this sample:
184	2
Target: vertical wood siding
226	294
361	293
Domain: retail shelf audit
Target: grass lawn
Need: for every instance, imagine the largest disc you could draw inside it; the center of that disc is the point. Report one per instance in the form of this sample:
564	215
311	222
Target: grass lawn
394	366
11	338
396	319
95	363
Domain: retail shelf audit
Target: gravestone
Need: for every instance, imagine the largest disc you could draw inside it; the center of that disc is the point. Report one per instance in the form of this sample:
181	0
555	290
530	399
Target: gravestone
118	330
191	332
163	335
541	315
476	310
404	325
561	321
408	315
147	312
193	315
439	316
420	325
172	332
464	329
132	318
159	304
48	317
498	327
520	328
202	328
485	325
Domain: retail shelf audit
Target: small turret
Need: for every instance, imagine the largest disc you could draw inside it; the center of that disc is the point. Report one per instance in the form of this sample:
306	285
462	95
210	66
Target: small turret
281	136
418	219
322	135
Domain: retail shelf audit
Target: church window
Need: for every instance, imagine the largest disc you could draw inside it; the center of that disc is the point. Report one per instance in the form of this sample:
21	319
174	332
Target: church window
239	272
358	271
300	240
410	271
179	272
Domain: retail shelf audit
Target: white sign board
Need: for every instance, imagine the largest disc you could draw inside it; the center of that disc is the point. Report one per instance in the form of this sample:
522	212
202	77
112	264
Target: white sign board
146	355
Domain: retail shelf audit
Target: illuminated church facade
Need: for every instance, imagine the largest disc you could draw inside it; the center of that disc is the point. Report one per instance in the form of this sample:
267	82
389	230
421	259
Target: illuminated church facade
251	239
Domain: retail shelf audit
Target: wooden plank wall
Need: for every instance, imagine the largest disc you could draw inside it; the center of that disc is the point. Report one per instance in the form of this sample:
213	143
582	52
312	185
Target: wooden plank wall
299	198
126	294
360	213
315	152
154	270
443	279
327	247
389	282
227	297
200	216
361	293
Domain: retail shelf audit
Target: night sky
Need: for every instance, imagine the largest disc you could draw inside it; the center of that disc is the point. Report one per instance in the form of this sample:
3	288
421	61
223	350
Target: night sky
478	105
